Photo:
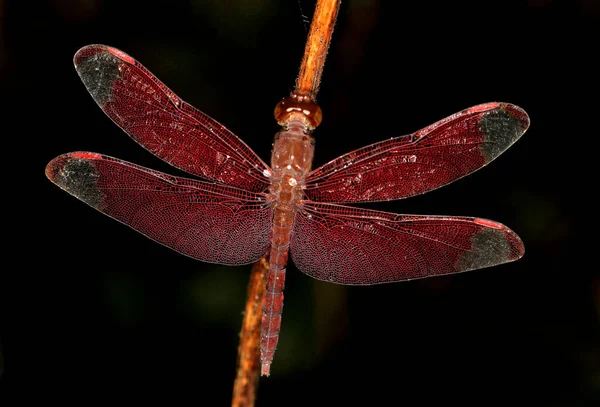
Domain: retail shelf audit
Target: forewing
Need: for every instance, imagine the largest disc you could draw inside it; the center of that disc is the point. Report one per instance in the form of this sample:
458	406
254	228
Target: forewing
207	221
430	158
357	246
160	121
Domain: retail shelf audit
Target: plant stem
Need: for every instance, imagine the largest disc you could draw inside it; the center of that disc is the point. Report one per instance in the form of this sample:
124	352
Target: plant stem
246	381
317	45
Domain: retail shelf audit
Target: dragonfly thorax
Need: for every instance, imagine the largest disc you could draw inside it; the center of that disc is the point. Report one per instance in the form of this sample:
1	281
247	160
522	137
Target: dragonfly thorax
291	160
293	151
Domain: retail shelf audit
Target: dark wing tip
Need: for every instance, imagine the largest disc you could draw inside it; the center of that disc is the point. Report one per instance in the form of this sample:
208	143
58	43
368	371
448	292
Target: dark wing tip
99	67
518	114
76	174
502	127
492	245
93	50
87	52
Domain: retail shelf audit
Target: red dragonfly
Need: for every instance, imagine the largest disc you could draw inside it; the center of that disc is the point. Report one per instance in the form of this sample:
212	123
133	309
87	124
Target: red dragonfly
244	208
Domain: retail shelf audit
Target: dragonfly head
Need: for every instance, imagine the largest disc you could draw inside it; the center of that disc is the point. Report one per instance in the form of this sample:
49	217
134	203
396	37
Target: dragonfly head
296	108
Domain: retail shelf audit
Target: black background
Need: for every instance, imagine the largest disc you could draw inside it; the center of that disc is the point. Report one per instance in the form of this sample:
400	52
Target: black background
90	310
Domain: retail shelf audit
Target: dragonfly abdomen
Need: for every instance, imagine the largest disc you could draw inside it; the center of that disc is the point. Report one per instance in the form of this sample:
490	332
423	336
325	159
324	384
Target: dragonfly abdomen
273	305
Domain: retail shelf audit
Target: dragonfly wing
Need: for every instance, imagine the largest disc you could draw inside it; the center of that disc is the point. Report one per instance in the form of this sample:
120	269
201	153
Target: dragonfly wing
356	246
160	121
207	221
428	159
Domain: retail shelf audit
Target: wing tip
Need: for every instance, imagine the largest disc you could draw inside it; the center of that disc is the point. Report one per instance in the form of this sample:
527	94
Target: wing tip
76	174
99	67
515	243
502	124
518	114
86	52
89	51
492	245
55	167
518	246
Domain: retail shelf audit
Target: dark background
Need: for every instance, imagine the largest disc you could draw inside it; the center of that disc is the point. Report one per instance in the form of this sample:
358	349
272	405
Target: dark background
90	310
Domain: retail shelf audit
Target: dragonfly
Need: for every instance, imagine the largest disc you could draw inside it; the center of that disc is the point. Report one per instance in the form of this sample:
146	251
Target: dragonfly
236	208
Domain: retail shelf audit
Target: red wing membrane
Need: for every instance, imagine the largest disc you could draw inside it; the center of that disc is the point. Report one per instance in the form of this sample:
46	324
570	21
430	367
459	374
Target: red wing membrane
164	124
355	246
209	222
430	158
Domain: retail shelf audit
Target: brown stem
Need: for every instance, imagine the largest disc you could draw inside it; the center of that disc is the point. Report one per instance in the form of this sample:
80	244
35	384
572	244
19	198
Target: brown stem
307	85
316	48
246	381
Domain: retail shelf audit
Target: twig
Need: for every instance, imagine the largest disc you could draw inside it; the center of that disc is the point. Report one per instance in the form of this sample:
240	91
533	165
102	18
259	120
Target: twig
316	48
307	86
246	381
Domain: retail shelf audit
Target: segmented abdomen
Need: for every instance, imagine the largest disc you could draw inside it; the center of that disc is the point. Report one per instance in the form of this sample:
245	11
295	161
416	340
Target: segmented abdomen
273	305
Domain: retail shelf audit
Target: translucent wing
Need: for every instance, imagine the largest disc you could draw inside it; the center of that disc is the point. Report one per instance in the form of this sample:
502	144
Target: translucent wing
430	158
160	121
357	246
207	221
